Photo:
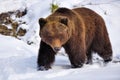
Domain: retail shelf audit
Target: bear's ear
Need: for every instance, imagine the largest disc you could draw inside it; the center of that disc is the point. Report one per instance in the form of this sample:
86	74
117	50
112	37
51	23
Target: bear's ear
42	22
64	21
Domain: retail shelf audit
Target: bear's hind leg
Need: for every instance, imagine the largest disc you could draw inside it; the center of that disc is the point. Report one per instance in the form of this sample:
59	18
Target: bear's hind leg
46	56
101	42
106	52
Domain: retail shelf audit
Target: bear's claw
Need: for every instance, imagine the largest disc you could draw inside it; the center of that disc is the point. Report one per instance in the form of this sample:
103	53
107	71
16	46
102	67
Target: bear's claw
42	68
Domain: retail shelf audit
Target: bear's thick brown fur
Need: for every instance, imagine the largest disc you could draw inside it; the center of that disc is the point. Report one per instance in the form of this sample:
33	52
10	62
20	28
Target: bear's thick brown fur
80	31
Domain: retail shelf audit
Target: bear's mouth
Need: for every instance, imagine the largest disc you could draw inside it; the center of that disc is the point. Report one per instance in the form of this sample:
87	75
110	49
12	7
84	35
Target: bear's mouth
56	49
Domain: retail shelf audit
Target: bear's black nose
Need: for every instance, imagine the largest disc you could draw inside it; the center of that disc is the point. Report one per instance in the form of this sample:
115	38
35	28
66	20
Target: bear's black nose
56	49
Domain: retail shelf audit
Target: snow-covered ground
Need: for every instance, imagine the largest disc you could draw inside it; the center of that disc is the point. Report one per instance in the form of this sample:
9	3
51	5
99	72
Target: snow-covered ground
18	60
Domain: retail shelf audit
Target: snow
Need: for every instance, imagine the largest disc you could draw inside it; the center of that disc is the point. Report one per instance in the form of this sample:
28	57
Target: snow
18	60
13	5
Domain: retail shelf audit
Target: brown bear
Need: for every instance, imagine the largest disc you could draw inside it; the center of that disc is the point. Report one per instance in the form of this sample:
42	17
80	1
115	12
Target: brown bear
79	31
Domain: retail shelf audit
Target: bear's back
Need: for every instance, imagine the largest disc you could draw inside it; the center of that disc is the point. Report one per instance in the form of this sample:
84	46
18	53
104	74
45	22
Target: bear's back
87	14
85	11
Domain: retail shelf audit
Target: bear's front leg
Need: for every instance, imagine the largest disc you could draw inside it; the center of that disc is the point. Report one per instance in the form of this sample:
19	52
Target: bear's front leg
77	60
89	56
77	57
46	56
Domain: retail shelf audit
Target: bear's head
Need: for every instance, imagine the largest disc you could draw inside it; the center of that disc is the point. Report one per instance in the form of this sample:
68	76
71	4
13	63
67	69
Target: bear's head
54	31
